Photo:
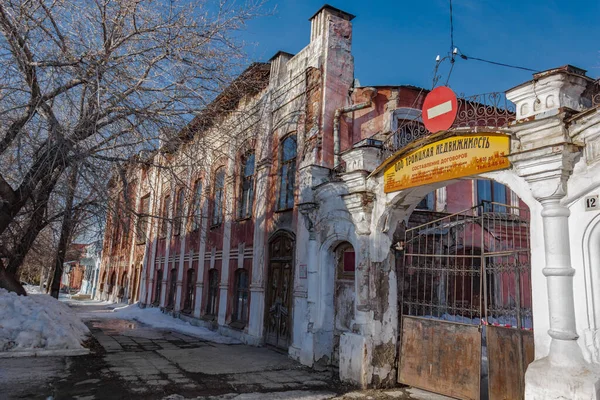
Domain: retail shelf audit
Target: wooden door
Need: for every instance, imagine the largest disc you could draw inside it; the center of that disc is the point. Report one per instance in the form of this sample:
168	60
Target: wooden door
279	291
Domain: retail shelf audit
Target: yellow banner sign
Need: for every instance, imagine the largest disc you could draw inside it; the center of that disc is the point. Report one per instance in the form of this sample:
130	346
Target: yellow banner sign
450	158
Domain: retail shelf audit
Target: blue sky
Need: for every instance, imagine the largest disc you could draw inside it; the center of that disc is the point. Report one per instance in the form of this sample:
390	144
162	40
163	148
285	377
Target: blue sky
396	42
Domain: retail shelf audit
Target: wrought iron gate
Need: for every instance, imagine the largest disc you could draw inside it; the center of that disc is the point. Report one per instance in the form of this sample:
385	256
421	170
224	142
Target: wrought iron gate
467	328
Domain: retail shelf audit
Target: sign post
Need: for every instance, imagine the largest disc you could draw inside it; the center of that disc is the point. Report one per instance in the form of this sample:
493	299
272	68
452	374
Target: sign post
439	109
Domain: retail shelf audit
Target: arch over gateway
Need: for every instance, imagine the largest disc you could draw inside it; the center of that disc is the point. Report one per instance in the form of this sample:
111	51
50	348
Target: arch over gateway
464	292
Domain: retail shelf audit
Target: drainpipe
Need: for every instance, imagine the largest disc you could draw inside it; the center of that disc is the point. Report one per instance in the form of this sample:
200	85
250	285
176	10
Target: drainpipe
371	92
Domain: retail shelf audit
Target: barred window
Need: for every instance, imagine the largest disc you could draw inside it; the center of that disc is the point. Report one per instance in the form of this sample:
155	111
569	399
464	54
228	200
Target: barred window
240	312
287	173
213	292
178	219
197	204
219	188
247	189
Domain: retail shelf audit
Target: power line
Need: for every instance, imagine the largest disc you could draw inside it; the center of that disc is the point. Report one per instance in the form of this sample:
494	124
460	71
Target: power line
465	57
451	32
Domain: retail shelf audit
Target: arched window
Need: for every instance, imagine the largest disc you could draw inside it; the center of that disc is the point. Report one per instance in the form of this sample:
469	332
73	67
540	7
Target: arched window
240	306
287	173
142	221
213	292
172	288
113	278
345	261
178	219
218	193
157	288
164	217
190	282
247	186
197	204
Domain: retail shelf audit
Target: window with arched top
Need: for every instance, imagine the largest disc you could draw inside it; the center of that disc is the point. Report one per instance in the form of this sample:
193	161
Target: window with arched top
190	282
287	173
218	196
172	288
345	261
157	287
213	292
178	218
240	306
247	185
197	204
164	217
143	219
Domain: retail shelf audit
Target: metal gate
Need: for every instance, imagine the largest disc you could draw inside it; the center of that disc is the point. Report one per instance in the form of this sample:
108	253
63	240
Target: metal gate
467	328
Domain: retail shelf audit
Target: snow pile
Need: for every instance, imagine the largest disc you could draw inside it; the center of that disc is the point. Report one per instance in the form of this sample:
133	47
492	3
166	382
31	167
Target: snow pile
157	319
38	322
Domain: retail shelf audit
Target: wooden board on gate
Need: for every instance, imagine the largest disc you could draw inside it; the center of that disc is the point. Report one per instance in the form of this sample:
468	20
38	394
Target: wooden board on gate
509	353
441	357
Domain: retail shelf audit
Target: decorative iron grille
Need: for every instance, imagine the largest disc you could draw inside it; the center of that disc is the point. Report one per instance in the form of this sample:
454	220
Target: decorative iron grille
488	109
471	267
483	110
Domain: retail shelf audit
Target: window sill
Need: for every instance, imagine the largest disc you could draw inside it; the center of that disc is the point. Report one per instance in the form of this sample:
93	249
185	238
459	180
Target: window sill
216	226
242	219
284	210
208	317
140	243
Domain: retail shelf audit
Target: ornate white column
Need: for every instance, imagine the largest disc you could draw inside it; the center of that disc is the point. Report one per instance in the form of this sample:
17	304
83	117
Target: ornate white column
544	155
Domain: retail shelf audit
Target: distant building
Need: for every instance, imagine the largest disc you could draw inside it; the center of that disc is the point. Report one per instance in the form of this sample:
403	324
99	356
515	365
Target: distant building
291	230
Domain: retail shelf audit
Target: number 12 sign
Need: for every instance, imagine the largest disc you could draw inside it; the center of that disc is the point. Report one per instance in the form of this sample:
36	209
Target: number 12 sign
591	203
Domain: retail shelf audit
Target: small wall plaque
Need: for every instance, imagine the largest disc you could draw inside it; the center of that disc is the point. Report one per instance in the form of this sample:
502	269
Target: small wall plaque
591	203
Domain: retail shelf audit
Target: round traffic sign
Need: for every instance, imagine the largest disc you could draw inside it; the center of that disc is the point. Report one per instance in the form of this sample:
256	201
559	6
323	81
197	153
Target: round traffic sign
439	109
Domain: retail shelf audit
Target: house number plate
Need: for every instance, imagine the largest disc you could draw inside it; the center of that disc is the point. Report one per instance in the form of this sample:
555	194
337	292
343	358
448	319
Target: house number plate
591	203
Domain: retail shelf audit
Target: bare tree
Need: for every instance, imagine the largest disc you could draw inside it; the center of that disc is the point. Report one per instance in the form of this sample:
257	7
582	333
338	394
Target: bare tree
92	83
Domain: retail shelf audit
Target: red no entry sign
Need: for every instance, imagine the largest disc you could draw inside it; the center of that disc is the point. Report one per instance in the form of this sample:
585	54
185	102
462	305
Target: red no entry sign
439	109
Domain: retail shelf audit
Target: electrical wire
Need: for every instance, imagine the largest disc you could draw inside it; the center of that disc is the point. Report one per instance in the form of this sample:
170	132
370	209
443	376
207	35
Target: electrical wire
465	57
451	32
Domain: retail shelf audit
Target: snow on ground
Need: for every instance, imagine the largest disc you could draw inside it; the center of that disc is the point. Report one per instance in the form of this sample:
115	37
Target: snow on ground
32	289
157	319
38	322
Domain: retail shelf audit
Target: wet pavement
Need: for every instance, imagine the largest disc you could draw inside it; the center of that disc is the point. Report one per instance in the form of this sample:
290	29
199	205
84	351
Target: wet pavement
130	360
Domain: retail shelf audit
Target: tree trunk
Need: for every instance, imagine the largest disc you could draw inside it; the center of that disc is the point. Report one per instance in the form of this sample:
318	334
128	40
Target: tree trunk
65	235
11	283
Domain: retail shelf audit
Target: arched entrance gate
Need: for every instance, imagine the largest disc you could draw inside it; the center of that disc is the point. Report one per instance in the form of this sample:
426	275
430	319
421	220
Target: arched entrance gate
464	279
466	303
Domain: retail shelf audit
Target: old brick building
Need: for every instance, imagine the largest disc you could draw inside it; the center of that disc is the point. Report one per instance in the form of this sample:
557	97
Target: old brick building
269	219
